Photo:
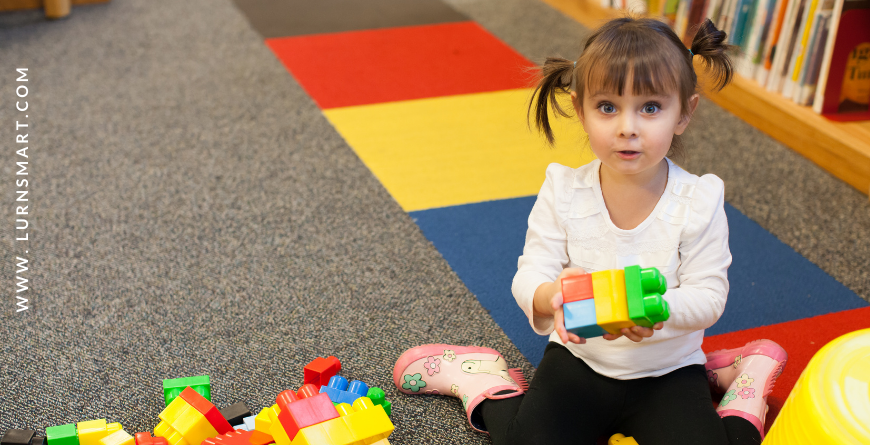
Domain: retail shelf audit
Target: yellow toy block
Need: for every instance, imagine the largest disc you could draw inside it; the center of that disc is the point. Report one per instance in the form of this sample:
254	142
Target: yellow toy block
276	430
611	305
262	422
331	432
165	430
173	410
91	432
619	439
382	442
113	428
193	426
369	423
119	437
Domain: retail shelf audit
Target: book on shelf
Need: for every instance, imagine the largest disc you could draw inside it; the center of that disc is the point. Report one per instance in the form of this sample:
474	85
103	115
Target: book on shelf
843	90
785	46
804	92
770	42
794	64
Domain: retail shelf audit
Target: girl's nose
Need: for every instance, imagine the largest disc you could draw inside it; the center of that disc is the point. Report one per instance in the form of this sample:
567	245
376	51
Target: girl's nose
627	127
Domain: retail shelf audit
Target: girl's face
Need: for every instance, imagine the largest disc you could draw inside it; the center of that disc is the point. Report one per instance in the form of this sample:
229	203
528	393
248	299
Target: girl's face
631	134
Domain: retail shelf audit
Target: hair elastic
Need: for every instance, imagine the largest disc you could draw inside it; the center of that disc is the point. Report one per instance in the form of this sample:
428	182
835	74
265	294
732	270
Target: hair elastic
575	64
691	53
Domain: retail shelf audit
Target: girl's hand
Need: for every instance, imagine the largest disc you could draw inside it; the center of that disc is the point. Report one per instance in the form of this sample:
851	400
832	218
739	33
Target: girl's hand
559	320
548	302
636	333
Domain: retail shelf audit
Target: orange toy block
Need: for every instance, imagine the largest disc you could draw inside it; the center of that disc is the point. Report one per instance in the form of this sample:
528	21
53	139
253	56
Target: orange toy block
240	437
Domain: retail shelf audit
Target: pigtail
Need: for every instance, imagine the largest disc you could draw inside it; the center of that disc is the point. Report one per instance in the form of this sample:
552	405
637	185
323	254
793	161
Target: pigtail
709	43
556	76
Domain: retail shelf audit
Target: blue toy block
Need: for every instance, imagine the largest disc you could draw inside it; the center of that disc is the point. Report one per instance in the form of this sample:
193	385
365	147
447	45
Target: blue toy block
580	319
336	388
249	423
358	387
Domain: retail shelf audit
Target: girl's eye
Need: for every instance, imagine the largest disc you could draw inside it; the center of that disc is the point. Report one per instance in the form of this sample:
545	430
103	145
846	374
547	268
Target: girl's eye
606	108
651	108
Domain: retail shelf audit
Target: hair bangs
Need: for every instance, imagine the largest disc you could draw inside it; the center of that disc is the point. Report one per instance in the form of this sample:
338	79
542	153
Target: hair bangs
626	56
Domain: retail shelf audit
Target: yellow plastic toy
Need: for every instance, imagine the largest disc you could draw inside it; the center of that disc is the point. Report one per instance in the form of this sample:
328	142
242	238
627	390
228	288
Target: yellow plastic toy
364	423
92	431
830	404
619	439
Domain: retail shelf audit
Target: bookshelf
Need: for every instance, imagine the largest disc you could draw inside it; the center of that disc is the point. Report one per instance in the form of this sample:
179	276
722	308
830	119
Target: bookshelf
841	148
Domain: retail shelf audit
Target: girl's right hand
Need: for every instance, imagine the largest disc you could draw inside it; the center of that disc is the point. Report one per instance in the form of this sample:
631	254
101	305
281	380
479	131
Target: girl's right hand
551	293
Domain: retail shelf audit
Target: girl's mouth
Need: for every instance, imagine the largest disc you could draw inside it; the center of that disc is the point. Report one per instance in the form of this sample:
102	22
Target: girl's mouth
628	154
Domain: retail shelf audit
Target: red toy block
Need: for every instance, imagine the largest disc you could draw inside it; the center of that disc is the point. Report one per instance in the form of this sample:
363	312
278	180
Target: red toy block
207	409
306	412
146	439
308	390
320	370
577	288
240	437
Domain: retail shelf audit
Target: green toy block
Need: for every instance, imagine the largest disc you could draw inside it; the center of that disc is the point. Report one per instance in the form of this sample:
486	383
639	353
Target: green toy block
643	291
378	397
173	387
62	435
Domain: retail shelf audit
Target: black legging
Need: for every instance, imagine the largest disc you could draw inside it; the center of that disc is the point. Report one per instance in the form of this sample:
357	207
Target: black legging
569	403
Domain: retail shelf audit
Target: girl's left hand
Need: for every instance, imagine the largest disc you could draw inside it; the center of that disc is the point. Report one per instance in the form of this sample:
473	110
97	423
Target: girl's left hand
636	333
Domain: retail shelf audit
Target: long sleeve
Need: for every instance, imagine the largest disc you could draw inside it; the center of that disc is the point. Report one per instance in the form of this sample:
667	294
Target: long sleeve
545	253
699	300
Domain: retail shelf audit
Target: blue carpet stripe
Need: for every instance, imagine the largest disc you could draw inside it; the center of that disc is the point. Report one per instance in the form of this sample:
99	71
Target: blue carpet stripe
770	282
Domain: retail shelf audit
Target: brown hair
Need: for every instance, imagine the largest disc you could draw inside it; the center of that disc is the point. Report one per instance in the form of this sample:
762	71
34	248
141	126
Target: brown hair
646	49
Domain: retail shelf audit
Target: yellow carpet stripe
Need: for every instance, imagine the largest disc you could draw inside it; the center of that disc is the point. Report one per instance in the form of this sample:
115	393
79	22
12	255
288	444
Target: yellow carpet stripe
454	150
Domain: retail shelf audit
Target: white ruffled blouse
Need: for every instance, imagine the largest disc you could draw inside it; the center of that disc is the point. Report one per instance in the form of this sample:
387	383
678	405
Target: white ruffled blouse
685	237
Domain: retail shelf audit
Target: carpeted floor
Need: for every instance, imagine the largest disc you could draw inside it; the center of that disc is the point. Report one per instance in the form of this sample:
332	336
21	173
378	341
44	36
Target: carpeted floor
193	212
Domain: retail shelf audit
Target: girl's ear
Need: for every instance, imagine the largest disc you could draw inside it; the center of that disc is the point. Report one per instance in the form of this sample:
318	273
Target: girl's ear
578	108
684	120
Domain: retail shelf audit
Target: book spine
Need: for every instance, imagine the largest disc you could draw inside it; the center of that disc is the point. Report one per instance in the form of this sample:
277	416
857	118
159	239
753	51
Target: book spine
808	90
822	83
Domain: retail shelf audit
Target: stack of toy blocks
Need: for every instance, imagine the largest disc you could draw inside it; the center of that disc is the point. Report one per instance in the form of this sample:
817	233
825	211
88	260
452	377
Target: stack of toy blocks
310	418
190	419
607	301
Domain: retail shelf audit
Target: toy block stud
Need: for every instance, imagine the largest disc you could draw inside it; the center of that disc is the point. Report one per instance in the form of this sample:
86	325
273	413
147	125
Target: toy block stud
17	437
644	289
90	432
320	370
580	319
611	308
335	388
172	388
307	390
285	398
119	437
577	288
113	427
355	390
306	412
207	409
379	398
62	435
235	413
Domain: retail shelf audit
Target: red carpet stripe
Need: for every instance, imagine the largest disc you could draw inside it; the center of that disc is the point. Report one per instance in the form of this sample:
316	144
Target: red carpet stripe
800	338
387	65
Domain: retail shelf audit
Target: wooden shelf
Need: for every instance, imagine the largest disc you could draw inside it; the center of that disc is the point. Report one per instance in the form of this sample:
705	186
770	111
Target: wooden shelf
841	148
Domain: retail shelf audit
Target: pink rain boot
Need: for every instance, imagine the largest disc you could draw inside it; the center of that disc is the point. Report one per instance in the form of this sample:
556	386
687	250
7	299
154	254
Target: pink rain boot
746	375
470	373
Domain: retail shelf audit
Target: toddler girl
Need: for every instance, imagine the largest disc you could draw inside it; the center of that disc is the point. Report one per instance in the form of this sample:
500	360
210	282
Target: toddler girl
634	90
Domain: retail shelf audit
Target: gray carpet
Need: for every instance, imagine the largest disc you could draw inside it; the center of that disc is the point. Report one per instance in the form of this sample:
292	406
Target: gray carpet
194	213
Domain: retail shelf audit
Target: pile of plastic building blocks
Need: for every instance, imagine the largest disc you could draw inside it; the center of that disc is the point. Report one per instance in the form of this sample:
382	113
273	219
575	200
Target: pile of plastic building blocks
326	410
